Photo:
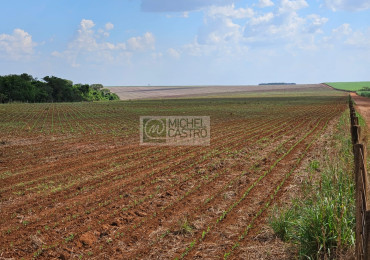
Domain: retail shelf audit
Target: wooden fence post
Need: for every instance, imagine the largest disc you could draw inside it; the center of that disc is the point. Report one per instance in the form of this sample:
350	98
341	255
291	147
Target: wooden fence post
355	120
355	132
359	238
361	225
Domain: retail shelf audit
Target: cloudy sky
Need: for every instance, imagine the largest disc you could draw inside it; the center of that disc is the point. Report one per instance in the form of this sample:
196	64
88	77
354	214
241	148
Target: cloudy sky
187	42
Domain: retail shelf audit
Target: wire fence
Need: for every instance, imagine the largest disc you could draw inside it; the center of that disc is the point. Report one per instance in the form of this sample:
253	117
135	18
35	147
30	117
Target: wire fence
362	186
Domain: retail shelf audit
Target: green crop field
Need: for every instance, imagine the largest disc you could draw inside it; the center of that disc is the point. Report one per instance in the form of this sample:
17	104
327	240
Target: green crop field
350	86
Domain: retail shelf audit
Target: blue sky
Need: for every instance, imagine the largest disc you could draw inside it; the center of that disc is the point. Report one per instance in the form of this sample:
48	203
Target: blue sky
187	42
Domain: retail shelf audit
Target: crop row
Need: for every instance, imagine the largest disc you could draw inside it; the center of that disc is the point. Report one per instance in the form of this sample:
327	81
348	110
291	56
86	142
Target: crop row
273	195
236	202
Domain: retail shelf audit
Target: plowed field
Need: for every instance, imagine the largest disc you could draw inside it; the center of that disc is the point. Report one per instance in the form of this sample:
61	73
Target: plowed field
75	183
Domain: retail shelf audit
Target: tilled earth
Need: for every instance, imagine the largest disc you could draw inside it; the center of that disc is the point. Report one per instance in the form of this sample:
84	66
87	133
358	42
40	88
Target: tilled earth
85	188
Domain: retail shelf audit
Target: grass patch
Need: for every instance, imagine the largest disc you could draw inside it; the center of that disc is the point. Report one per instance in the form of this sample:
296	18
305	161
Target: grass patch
350	86
365	92
322	224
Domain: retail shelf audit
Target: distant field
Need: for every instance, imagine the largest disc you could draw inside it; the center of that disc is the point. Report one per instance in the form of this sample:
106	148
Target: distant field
350	86
154	92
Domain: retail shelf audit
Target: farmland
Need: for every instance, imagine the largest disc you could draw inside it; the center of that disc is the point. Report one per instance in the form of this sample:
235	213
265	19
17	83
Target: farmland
349	86
75	183
155	92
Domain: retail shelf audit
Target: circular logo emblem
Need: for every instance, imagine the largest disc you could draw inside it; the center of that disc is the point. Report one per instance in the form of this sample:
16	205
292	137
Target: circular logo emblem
155	129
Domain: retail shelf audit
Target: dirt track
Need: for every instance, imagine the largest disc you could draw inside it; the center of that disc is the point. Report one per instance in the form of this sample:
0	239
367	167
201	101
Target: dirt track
363	107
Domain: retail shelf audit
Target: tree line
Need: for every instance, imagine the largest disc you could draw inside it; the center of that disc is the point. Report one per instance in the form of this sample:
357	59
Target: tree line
25	88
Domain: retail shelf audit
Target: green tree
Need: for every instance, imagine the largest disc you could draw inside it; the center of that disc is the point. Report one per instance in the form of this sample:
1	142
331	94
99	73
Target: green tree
25	88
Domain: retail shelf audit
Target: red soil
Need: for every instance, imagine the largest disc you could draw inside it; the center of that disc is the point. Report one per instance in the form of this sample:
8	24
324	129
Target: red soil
363	107
109	198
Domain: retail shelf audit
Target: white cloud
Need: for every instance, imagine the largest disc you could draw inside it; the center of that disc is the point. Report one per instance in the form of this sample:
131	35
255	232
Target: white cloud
85	39
145	42
265	3
220	39
346	37
316	23
228	30
282	27
219	31
348	5
105	32
344	29
86	24
359	40
196	49
290	27
89	46
285	27
262	19
109	26
157	55
17	45
182	15
230	12
289	6
173	53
